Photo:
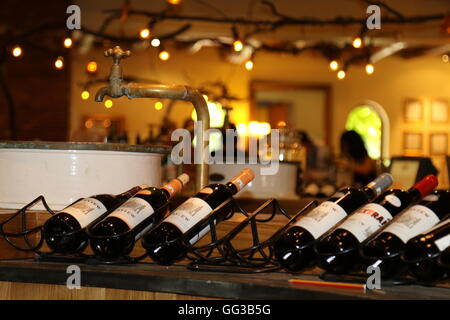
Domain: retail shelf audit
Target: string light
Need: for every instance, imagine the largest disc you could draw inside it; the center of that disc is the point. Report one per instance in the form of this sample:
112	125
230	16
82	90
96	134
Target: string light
341	74
164	55
144	33
158	105
357	42
334	65
108	103
174	2
17	51
68	42
91	67
155	42
238	45
85	95
59	63
445	58
249	65
370	68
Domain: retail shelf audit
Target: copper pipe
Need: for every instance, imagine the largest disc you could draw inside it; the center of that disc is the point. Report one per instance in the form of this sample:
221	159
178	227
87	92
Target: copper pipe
117	89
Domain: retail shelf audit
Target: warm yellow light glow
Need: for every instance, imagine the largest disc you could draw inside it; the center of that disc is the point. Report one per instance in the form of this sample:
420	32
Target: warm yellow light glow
241	129
91	67
216	114
258	129
59	63
155	42
370	68
68	42
17	51
144	33
341	74
281	124
89	123
249	65
85	95
158	105
108	103
334	65
445	58
174	2
357	42
164	55
205	97
238	45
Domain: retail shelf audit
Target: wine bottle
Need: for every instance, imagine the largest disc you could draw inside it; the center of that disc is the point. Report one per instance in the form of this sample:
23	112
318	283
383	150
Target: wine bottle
111	238
65	232
444	260
164	244
421	252
338	250
385	248
294	249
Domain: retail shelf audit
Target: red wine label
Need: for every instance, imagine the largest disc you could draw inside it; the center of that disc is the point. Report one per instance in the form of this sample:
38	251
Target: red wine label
412	222
367	220
322	218
85	211
189	213
133	212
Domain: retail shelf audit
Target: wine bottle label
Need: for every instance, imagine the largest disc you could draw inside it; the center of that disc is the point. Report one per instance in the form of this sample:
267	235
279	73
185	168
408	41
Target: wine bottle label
133	212
412	222
200	235
322	218
446	221
443	243
189	213
85	211
367	220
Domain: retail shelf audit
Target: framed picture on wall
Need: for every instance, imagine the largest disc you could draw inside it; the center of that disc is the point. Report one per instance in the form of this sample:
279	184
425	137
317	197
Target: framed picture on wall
412	143
439	111
439	143
413	110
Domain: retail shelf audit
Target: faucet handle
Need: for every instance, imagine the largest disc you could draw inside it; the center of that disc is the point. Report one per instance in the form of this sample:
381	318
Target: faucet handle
117	54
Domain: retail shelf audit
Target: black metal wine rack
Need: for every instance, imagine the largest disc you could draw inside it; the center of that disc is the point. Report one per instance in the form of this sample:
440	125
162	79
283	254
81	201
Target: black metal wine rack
220	254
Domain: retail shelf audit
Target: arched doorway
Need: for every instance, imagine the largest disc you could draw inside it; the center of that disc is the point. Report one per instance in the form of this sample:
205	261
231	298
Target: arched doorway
370	120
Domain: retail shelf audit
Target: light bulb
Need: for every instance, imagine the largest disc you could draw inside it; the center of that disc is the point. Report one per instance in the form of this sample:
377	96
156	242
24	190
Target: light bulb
249	65
341	74
59	63
17	51
174	2
144	33
164	55
445	58
155	42
357	42
158	105
91	67
85	95
68	42
370	68
108	103
238	45
334	65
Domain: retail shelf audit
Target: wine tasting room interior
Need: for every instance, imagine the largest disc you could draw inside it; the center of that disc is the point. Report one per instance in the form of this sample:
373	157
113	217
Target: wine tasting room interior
98	97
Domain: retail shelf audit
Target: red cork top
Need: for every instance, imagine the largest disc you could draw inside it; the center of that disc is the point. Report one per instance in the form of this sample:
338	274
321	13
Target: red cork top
426	185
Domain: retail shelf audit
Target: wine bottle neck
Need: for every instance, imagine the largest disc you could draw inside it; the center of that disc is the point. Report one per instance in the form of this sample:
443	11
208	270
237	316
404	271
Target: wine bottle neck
415	194
232	187
130	193
370	193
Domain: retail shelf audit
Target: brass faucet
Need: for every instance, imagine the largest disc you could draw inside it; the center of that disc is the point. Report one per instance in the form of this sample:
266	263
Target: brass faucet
117	88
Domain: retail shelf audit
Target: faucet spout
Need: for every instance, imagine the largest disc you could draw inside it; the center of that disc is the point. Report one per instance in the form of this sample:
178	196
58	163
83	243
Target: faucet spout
117	89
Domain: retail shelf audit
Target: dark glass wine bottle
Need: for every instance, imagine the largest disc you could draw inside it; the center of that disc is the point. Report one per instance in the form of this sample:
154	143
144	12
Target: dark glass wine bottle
110	238
421	253
338	250
383	251
163	243
444	260
294	249
65	232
